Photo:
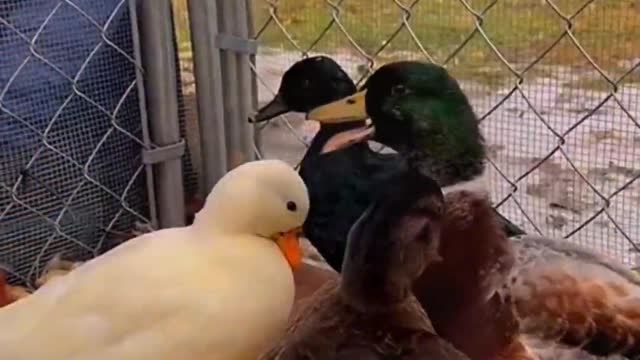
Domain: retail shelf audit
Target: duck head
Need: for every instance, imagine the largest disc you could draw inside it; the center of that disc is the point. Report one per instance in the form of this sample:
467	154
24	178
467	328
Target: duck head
417	109
307	84
392	243
265	199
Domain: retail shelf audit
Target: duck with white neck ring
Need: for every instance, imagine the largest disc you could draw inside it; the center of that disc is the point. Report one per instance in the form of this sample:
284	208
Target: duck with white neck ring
419	110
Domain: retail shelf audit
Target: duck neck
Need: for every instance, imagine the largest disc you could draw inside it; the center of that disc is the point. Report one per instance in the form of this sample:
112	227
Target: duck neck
368	288
370	280
466	166
215	218
326	132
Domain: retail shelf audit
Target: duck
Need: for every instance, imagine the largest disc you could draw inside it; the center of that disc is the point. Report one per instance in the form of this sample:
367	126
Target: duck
449	147
494	290
166	294
341	182
370	311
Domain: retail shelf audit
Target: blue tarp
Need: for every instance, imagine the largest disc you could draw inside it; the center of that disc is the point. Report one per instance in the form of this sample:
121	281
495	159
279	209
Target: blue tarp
62	76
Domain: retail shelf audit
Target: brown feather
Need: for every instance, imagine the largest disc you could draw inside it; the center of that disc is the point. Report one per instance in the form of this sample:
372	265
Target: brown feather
571	297
493	290
515	351
4	295
328	328
490	291
308	279
370	313
10	294
457	292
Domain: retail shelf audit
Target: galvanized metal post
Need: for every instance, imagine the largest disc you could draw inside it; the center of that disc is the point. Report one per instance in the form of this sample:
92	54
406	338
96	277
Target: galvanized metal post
235	124
254	78
146	137
245	91
158	60
203	17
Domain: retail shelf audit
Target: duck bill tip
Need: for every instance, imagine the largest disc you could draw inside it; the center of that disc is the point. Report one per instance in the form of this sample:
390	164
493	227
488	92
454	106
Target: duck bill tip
289	244
277	106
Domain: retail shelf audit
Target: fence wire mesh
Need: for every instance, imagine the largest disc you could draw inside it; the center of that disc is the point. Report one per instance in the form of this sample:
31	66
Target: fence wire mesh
556	84
71	176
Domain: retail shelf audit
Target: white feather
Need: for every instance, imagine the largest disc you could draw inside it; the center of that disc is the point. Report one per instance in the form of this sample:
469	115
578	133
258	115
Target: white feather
185	293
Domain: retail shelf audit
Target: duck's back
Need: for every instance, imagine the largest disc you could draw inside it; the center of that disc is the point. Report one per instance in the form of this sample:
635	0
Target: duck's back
341	185
159	296
330	329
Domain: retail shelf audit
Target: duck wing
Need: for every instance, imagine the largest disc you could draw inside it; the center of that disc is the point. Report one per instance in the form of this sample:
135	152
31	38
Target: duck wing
563	293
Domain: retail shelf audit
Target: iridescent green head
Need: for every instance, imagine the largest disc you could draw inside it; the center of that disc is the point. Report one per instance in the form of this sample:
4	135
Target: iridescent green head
416	108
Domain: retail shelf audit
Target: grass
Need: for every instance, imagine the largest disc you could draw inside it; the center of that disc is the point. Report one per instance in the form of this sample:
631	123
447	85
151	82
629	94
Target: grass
181	18
522	30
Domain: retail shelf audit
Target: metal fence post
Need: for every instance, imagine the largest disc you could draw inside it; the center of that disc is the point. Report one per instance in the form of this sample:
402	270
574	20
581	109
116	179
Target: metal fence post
235	106
203	17
158	60
146	137
245	89
254	78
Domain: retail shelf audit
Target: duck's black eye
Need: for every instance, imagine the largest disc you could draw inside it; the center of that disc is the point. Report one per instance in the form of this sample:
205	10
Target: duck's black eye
399	90
291	206
306	83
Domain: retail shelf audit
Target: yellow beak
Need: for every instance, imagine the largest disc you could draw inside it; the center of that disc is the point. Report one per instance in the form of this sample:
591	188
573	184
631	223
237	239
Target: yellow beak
350	108
289	244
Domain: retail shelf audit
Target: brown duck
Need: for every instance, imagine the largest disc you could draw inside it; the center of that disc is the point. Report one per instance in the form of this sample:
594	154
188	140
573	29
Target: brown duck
370	313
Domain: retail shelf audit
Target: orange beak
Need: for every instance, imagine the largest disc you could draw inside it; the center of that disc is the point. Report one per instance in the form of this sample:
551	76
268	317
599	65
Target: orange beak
289	244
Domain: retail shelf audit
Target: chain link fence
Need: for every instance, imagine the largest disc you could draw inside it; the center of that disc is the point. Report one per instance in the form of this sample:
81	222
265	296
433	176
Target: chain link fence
556	84
76	150
98	118
70	123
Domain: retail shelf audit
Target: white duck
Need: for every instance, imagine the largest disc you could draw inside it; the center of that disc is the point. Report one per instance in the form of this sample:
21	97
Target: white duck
218	289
